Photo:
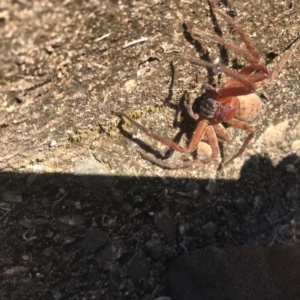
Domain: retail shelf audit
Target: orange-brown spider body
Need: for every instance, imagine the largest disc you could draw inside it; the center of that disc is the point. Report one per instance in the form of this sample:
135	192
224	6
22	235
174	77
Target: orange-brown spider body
234	103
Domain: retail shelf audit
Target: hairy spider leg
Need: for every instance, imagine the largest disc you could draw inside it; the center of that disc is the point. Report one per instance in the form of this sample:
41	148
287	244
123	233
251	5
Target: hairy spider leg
222	134
203	128
232	46
243	126
284	59
250	46
247	41
197	135
247	84
212	141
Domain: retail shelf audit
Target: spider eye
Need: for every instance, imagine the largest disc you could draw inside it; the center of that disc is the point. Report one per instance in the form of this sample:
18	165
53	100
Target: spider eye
209	107
211	103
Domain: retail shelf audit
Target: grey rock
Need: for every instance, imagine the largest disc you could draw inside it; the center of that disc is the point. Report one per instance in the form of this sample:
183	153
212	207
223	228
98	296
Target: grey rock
210	229
127	208
94	173
94	239
72	220
138	267
117	196
154	247
192	188
241	205
164	222
11	197
111	251
47	268
47	251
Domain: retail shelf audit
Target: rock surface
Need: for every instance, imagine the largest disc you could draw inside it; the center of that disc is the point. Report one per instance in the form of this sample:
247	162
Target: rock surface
237	273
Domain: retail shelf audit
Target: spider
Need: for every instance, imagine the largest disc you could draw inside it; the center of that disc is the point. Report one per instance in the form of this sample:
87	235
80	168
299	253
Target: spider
234	103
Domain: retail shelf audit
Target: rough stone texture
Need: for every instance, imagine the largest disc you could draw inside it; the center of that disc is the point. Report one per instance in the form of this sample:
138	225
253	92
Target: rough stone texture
68	167
65	67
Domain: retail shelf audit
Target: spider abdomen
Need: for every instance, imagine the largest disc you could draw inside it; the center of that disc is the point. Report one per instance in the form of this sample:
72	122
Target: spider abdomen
249	107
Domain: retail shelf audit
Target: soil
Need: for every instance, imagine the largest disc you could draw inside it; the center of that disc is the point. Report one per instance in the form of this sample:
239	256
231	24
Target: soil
82	214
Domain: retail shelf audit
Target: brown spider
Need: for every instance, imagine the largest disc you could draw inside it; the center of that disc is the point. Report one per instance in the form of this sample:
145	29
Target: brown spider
234	103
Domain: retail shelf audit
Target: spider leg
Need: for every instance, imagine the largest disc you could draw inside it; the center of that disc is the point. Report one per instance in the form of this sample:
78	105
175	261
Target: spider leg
284	59
189	107
247	41
243	126
221	132
233	87
248	84
213	142
207	87
229	45
253	50
197	135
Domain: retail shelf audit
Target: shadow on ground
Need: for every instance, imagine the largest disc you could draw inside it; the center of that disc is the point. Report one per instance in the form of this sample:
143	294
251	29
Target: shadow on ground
66	236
